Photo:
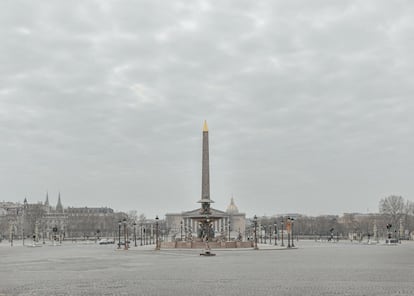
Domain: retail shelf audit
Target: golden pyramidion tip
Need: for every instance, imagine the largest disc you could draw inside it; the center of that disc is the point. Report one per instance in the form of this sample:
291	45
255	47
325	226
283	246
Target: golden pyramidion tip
205	127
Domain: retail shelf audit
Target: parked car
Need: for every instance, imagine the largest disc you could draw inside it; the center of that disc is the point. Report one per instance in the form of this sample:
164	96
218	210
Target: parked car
106	241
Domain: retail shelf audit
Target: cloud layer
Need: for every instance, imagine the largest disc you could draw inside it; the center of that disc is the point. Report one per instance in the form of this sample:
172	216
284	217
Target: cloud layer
309	104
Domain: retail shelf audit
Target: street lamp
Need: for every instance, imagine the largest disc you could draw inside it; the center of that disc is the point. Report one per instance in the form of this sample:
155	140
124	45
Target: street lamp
135	233
207	233
275	234
119	233
255	232
55	229
11	233
181	237
23	218
388	231
43	235
157	235
283	229
261	232
141	235
291	230
288	225
229	229
270	233
125	234
331	234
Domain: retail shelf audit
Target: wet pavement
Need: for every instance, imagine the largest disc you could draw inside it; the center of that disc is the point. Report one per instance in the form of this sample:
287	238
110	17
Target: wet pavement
314	268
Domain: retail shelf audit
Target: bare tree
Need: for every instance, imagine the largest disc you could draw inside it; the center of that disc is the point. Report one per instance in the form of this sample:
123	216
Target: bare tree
409	215
410	207
394	207
142	218
132	217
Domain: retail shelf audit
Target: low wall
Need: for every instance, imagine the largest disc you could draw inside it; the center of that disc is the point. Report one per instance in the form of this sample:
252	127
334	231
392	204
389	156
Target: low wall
202	245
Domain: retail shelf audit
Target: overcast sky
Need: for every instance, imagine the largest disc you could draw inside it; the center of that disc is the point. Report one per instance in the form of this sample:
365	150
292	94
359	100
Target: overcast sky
309	103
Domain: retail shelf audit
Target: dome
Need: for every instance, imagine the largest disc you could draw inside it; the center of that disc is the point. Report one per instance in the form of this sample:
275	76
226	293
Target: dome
232	208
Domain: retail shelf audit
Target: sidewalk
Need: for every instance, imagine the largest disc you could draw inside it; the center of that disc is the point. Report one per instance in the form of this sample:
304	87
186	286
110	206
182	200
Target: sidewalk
273	247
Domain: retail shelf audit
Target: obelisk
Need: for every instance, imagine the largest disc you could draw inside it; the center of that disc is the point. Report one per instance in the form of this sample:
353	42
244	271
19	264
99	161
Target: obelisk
205	187
205	176
205	220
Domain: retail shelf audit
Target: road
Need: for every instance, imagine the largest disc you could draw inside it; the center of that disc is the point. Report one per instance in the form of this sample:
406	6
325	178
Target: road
315	268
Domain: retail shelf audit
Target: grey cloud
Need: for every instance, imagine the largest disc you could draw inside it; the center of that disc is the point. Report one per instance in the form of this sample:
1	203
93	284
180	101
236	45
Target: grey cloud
308	105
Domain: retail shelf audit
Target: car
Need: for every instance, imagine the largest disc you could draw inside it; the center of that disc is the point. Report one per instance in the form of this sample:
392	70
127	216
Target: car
106	241
103	241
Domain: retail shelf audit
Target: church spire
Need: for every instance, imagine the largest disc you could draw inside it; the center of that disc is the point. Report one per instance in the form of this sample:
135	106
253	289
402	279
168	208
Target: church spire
59	207
47	199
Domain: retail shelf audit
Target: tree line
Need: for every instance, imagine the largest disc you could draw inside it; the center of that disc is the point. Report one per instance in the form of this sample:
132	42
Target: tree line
393	210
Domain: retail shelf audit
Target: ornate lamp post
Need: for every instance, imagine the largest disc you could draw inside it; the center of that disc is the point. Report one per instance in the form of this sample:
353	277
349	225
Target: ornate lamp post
125	234
55	229
119	234
275	234
260	233
283	229
36	233
229	229
288	230
141	235
291	230
388	232
135	233
151	233
181	237
23	218
43	235
207	230
270	234
255	232
11	233
157	234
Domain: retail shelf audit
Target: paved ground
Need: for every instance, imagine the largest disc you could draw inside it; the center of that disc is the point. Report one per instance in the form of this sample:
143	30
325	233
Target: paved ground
312	269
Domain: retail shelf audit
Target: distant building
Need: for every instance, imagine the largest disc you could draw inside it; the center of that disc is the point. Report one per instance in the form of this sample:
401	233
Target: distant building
91	222
40	220
182	225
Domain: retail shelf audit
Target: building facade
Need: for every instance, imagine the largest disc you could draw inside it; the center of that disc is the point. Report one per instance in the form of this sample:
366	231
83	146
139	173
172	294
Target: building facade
41	221
230	224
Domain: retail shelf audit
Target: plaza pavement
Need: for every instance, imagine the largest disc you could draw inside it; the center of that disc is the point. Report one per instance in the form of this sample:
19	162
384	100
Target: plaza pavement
314	268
